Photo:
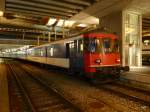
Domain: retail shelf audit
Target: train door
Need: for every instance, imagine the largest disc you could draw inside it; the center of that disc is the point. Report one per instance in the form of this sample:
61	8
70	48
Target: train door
70	54
75	54
67	50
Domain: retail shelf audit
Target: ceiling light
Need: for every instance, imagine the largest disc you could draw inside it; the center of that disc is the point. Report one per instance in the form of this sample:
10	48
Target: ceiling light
60	22
82	25
69	23
51	21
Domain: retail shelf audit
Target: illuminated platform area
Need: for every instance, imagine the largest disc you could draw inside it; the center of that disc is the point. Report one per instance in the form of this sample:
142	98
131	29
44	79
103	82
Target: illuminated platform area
139	76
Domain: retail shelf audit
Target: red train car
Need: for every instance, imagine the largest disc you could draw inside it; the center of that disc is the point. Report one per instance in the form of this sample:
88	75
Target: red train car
101	54
93	54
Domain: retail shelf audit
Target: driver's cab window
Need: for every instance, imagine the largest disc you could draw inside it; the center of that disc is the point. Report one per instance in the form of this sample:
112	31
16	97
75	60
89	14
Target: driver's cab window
107	45
93	45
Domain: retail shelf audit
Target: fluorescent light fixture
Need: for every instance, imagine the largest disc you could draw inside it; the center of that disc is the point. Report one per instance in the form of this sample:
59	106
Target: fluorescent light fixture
1	13
82	25
6	50
69	23
51	21
60	22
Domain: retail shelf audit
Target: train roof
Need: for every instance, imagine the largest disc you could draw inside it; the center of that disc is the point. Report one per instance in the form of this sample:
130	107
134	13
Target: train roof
103	34
59	41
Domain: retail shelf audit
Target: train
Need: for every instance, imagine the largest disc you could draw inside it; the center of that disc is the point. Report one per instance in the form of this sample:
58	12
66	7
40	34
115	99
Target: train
94	55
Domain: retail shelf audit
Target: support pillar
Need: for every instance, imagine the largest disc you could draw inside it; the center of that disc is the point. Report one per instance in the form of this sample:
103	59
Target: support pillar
38	41
63	31
49	36
55	34
23	35
131	38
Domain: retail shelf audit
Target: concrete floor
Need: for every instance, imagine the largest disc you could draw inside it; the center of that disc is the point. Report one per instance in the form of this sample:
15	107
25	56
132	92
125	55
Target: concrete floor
139	76
4	99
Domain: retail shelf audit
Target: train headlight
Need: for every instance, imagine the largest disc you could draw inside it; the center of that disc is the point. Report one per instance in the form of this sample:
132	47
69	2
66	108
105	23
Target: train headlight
118	60
98	61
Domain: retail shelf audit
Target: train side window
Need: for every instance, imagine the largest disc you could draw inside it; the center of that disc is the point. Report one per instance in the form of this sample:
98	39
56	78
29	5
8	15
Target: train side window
51	51
41	53
80	46
71	47
86	44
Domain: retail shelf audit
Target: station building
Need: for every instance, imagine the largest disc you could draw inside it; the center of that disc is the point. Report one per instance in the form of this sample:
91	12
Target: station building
123	17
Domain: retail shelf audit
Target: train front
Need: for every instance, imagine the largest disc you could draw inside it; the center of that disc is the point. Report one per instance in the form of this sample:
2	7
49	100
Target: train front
101	55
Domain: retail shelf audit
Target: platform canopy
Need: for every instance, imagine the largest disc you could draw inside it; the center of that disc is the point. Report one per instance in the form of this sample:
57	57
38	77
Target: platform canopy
32	19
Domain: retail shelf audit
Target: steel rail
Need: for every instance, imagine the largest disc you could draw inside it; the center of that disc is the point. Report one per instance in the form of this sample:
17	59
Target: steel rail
106	103
22	89
50	90
120	92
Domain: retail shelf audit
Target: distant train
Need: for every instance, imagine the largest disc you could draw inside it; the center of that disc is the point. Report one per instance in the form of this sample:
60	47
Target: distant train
92	54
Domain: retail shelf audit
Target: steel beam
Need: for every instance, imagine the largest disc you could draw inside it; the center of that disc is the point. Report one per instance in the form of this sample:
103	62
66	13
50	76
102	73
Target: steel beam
42	6
20	42
38	14
80	2
48	2
34	9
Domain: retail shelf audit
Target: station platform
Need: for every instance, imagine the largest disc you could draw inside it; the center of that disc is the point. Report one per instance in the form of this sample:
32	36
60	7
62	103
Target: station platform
139	76
4	98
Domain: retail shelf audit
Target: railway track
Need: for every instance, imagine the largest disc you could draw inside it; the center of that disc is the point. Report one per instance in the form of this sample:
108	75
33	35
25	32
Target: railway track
126	91
38	72
123	90
38	95
17	100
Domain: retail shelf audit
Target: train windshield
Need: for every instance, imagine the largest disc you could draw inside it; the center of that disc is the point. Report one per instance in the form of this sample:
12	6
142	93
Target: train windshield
110	45
101	45
93	45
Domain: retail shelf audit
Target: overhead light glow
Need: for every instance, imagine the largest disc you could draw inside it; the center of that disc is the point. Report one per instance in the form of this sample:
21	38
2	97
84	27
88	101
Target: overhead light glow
69	23
1	13
82	25
51	21
60	22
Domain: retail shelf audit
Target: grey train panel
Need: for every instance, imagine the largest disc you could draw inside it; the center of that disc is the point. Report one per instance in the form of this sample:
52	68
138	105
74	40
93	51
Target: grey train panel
59	51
